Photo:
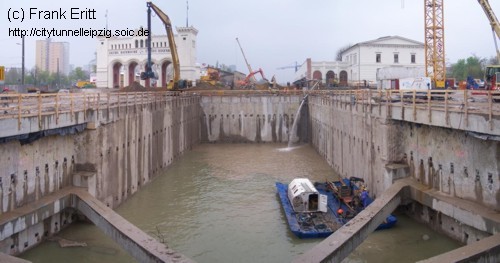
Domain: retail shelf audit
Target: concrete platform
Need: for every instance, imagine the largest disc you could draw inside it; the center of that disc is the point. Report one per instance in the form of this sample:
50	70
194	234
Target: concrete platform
4	258
136	242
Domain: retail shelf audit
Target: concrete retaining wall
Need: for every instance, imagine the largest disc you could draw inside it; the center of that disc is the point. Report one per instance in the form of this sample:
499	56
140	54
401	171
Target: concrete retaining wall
453	162
124	149
251	118
359	141
354	143
458	166
130	150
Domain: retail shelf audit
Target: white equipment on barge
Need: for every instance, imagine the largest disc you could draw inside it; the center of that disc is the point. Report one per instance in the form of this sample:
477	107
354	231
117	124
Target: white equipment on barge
304	197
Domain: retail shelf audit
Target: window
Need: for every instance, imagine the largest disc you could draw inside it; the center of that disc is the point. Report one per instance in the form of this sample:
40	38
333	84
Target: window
413	58
378	57
396	58
136	43
142	43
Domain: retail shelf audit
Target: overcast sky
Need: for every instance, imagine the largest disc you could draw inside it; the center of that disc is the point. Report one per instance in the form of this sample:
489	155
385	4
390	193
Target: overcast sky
273	33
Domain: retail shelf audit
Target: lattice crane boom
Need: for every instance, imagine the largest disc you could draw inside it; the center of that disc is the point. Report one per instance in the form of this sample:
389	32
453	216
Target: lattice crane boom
435	63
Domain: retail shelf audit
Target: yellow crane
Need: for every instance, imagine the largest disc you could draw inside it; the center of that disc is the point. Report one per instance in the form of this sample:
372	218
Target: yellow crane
435	63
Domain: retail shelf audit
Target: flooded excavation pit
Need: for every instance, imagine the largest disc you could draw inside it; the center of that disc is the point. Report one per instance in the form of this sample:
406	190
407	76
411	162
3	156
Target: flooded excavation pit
218	203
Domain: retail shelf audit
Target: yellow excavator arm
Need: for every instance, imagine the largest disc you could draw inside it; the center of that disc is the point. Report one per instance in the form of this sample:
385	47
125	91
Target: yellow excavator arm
495	25
171	42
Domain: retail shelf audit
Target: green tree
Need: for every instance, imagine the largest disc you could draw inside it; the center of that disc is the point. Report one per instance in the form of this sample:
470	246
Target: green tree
43	78
472	66
13	76
78	74
338	55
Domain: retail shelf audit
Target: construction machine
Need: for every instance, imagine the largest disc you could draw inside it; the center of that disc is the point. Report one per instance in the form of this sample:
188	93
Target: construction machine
248	84
176	82
246	61
492	72
212	76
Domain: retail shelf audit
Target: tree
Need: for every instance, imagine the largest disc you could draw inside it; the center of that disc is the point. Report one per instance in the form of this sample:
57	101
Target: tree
338	56
78	74
13	76
472	66
492	61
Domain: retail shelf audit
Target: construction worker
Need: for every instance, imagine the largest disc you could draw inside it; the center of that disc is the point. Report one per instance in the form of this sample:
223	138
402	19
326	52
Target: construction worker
340	212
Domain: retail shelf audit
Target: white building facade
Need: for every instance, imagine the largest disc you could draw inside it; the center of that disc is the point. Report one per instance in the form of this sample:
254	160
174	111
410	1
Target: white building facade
120	60
361	61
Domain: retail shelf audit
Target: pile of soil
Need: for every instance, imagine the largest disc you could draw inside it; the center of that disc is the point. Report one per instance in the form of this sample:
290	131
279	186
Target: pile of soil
137	87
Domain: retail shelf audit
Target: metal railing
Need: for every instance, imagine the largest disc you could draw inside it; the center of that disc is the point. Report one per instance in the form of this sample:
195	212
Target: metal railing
21	106
486	103
468	102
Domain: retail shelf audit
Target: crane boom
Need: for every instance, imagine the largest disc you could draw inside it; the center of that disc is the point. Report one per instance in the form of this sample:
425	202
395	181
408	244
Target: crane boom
492	72
434	42
171	42
246	61
495	25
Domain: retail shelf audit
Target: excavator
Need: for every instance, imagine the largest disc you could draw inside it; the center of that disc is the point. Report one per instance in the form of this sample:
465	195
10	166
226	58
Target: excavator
176	83
248	84
492	72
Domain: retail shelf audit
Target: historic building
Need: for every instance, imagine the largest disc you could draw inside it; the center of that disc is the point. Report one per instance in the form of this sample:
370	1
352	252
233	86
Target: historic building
361	61
120	60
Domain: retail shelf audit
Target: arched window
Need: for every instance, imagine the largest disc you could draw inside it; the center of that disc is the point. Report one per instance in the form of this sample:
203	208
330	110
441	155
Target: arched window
317	75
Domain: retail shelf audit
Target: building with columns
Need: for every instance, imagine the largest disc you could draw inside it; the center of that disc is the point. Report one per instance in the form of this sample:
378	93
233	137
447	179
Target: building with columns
361	61
121	60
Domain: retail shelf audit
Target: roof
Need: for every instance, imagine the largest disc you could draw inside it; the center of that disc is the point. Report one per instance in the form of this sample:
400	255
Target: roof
302	185
386	40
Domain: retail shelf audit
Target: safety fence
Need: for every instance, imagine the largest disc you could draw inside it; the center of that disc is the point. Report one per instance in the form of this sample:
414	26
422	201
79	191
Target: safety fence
466	101
409	104
24	105
482	102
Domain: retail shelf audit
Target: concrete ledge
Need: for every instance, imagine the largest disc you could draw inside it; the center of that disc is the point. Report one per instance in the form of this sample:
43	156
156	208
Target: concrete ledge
140	245
485	250
4	258
464	211
26	216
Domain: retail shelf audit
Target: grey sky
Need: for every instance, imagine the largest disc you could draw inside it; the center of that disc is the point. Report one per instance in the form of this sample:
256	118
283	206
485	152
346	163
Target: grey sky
273	33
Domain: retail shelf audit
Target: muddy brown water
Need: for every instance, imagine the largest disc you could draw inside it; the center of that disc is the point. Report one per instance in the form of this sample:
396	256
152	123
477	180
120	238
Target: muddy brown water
218	203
